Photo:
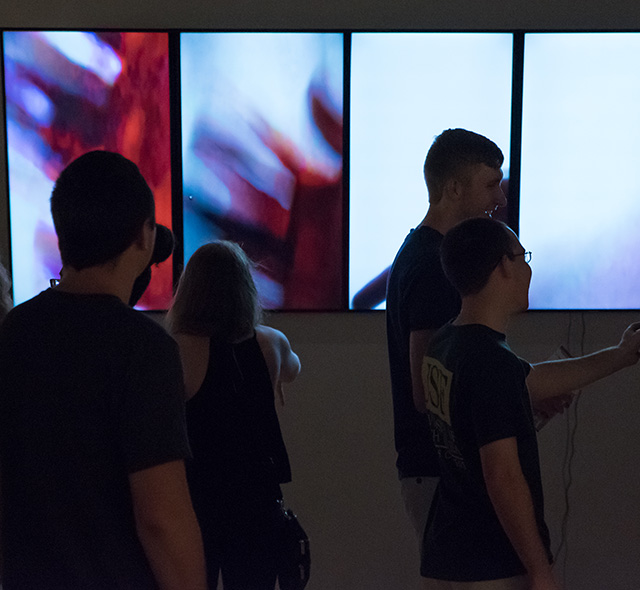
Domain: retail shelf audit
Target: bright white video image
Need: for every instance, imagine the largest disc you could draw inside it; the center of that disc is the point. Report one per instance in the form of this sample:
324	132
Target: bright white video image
580	189
406	88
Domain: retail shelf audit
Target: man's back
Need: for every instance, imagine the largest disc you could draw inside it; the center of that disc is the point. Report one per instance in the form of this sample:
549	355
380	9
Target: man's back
419	297
92	391
477	394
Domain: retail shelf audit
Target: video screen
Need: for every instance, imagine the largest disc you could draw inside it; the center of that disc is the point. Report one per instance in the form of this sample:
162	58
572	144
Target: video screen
406	88
262	132
68	93
580	190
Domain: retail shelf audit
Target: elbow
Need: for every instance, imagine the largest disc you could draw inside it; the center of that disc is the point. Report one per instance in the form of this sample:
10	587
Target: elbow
291	370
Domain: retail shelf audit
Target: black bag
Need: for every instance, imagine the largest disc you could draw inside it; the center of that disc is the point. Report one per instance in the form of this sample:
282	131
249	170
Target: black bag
294	563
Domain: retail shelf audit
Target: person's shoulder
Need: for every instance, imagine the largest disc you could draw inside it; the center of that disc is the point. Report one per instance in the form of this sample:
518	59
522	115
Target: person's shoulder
420	252
421	240
146	326
488	349
269	336
191	344
26	311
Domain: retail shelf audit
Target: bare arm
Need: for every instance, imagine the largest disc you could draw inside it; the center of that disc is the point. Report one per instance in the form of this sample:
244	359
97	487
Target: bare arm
511	499
552	378
290	367
418	344
283	364
167	526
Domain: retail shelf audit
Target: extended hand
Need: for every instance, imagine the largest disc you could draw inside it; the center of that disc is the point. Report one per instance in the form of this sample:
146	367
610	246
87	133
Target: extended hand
629	345
551	406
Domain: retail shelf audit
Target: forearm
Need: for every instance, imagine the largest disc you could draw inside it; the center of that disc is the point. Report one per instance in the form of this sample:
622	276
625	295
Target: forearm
167	526
418	344
175	553
552	378
513	505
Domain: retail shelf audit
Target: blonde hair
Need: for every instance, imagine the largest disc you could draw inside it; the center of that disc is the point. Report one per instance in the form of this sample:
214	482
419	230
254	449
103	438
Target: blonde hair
216	295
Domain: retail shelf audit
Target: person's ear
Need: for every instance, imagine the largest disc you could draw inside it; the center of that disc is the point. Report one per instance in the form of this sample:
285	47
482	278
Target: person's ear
453	190
146	237
505	267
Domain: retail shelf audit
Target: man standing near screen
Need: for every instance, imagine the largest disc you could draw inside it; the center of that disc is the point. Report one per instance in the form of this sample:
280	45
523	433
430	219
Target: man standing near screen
462	173
92	424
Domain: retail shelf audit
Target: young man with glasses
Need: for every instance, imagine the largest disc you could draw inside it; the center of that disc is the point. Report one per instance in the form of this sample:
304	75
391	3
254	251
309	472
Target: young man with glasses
486	529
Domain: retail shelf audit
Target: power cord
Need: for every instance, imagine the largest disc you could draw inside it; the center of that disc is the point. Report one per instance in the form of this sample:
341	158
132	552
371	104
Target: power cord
571	428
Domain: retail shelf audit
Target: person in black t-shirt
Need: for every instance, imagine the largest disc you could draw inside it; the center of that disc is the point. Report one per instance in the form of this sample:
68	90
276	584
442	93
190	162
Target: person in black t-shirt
487	521
462	173
92	421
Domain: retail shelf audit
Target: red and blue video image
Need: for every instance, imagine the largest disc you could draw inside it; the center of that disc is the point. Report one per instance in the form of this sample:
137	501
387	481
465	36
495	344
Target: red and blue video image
68	93
262	129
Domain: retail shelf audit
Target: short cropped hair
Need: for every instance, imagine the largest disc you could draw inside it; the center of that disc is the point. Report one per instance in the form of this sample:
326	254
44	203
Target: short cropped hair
451	153
216	295
471	250
99	205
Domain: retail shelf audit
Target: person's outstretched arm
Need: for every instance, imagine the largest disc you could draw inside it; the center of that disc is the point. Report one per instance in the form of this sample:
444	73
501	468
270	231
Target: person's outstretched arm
167	526
552	378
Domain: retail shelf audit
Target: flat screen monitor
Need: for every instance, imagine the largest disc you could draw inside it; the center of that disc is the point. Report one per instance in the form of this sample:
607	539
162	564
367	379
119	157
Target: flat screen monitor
262	136
580	190
406	88
67	93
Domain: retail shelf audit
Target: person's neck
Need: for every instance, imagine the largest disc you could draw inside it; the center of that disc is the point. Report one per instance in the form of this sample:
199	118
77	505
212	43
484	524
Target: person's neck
440	218
96	280
481	311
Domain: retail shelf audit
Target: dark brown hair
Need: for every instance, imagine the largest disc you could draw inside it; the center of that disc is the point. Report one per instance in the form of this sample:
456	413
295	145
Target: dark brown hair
451	154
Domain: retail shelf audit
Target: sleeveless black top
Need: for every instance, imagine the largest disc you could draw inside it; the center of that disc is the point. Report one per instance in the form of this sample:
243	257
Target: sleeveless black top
232	422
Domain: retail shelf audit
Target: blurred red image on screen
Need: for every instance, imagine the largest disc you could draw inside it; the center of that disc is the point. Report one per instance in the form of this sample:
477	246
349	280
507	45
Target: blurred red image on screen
73	92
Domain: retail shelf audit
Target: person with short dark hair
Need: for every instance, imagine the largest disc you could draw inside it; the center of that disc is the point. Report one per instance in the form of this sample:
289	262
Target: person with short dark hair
233	366
92	422
462	173
486	529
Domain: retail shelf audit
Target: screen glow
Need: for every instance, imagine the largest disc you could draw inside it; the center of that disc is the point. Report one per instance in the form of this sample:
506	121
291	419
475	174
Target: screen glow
262	157
406	88
68	93
580	190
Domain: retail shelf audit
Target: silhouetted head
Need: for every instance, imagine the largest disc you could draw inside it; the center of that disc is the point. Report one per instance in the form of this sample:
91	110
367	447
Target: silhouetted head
99	205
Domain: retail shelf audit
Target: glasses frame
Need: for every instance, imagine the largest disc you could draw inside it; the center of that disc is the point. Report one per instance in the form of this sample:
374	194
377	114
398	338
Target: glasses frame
526	254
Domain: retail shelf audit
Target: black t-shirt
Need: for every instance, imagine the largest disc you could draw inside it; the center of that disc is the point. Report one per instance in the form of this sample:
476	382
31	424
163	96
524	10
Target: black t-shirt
419	297
476	394
91	392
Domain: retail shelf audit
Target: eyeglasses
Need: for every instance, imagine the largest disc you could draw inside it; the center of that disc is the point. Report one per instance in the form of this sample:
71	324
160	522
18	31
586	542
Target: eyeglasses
527	256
